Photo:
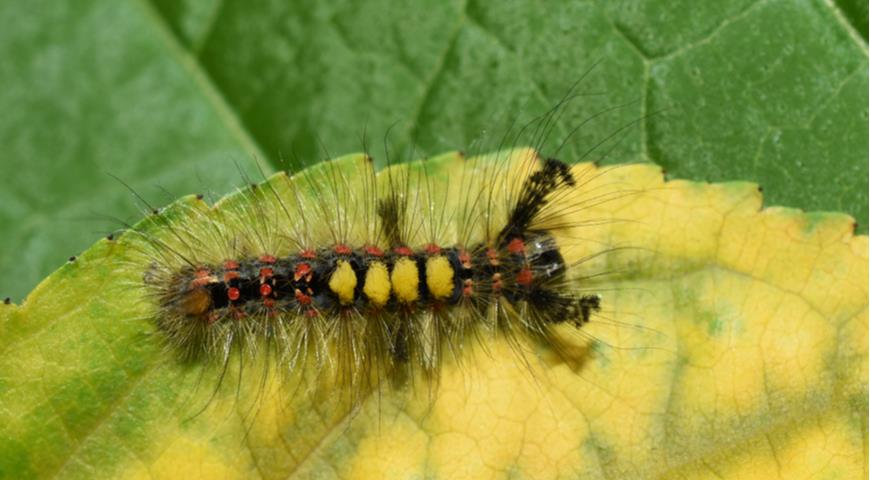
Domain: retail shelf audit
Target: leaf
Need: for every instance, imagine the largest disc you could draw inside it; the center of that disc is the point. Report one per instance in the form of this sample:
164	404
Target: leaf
173	94
735	346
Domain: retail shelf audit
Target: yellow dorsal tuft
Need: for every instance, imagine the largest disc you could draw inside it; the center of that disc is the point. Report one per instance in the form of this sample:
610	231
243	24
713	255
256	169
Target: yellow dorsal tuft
343	282
406	280
377	284
439	277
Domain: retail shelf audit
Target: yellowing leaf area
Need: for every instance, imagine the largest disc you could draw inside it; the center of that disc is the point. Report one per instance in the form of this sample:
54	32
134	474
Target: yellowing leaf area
733	344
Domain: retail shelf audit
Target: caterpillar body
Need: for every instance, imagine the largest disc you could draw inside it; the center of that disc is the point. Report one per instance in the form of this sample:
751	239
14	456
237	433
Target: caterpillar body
363	274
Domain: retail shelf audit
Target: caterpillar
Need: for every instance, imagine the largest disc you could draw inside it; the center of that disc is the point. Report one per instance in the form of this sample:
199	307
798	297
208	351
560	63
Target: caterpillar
352	275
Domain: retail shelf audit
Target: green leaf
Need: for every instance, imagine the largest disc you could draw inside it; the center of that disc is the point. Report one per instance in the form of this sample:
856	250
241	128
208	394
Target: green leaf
92	89
170	95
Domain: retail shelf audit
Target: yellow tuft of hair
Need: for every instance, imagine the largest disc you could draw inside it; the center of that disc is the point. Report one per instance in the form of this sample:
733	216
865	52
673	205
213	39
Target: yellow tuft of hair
406	280
377	284
439	277
343	282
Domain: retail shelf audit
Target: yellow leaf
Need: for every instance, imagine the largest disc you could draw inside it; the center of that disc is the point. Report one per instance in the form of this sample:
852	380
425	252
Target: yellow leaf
733	344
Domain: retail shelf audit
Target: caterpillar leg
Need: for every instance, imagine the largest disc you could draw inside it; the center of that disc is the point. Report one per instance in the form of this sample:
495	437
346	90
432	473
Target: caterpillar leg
579	310
586	305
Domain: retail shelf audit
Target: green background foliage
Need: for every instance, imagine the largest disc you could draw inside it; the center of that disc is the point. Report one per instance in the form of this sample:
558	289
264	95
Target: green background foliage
172	96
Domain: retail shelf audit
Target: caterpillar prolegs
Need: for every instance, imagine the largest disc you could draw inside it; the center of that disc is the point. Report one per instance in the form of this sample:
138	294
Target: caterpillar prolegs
342	271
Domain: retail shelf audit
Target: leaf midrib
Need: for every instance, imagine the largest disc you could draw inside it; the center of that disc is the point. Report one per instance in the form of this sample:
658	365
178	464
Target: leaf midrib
225	111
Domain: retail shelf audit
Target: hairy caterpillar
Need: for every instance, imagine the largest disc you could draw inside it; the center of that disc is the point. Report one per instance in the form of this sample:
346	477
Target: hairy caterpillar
368	273
351	275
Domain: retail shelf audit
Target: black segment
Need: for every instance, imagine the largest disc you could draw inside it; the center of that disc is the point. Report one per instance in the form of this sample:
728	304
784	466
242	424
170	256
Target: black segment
542	257
460	273
492	273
